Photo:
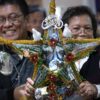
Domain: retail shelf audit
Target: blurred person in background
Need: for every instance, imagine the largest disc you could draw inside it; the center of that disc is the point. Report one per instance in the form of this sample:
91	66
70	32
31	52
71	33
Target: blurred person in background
36	15
98	23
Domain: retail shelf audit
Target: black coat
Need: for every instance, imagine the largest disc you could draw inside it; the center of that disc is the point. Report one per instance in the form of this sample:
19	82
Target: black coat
91	69
9	82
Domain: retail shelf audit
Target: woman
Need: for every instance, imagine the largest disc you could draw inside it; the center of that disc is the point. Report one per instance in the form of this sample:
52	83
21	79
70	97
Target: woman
82	23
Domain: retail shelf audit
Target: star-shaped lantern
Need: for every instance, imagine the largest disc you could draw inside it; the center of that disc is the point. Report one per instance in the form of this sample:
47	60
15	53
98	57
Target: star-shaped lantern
54	57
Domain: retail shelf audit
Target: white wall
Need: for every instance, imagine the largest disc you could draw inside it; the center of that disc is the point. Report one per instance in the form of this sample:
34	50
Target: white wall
64	4
90	3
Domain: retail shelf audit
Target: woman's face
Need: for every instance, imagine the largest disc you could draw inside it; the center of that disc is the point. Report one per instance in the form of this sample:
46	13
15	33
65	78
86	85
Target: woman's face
81	27
12	22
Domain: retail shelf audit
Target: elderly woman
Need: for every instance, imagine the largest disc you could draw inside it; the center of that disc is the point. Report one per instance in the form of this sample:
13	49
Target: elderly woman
82	23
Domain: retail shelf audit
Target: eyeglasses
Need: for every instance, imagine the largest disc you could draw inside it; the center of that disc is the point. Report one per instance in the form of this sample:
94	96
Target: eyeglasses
12	18
78	29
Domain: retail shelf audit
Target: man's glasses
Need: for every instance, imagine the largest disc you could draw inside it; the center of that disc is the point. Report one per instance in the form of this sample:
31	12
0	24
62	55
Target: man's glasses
12	18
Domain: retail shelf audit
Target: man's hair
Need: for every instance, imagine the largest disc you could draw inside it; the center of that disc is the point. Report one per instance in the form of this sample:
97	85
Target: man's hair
21	3
37	8
78	11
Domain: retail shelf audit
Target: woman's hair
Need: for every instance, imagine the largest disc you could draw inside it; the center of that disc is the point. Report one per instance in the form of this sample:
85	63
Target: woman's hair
21	3
37	8
78	11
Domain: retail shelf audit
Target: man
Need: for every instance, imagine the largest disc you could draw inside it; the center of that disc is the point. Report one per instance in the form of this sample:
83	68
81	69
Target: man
13	27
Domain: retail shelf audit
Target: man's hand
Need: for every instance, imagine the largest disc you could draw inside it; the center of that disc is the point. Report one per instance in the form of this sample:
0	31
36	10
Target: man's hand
24	90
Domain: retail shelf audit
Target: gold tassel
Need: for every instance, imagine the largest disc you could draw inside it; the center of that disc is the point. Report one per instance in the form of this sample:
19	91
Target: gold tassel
5	41
35	71
76	73
52	7
81	41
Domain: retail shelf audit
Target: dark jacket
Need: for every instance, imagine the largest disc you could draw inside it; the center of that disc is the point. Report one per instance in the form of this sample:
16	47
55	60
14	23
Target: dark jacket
23	67
91	69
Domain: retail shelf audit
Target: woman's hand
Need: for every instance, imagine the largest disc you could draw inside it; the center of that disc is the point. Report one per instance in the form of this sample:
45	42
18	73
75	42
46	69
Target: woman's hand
24	90
88	90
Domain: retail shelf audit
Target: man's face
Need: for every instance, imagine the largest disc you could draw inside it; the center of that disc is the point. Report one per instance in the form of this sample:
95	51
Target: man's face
12	22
